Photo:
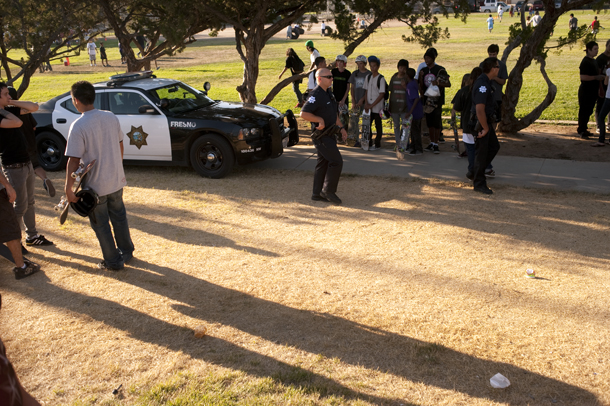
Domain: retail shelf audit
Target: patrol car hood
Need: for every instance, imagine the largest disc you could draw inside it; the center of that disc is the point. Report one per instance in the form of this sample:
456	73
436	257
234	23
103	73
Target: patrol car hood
234	111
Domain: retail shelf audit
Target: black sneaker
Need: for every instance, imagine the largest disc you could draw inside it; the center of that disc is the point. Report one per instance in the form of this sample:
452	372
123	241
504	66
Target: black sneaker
484	190
318	198
490	173
48	186
585	135
416	152
441	140
435	149
37	241
429	148
30	269
104	265
470	175
331	197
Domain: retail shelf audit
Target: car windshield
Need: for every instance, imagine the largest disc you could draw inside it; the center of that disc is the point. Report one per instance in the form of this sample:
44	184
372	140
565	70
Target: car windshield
181	98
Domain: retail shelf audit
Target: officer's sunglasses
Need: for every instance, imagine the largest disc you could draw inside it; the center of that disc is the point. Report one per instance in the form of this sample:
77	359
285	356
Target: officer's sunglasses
327	77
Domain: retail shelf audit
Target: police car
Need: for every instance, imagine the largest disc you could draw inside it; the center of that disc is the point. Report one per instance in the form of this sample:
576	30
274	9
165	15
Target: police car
167	122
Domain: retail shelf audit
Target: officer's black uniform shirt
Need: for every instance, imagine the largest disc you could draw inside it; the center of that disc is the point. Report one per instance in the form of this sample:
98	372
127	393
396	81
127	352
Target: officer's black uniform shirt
482	93
322	104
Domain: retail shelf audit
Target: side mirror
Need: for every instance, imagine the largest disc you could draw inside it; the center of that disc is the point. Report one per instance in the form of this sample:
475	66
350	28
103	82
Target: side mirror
147	109
163	103
207	86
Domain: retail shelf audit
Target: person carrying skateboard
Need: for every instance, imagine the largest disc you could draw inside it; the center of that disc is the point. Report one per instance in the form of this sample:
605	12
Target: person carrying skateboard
375	88
321	109
341	89
356	81
17	166
97	135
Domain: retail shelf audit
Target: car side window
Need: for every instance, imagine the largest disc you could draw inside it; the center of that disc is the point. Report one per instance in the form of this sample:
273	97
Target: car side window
68	105
126	102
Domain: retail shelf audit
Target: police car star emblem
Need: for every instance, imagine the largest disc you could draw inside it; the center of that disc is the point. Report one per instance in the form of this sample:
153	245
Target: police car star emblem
137	136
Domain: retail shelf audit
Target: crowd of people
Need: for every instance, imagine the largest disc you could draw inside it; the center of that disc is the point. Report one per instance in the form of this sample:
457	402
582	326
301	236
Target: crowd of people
594	93
413	95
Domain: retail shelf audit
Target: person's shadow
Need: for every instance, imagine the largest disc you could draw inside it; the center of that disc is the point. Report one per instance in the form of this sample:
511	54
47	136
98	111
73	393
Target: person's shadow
333	337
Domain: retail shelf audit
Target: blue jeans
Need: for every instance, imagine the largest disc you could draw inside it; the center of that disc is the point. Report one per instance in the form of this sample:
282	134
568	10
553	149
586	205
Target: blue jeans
111	209
22	179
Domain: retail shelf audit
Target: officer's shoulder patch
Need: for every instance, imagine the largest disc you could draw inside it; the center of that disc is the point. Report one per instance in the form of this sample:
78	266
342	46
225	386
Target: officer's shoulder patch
482	89
311	99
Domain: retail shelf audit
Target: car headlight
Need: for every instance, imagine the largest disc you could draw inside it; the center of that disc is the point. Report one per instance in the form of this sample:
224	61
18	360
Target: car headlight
246	132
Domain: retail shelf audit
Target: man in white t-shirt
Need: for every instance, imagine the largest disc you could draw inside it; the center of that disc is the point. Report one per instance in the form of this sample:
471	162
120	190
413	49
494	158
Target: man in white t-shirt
500	12
97	135
536	19
376	88
91	50
323	27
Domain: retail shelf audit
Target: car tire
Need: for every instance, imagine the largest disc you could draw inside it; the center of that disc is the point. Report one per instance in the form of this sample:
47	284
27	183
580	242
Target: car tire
51	148
212	156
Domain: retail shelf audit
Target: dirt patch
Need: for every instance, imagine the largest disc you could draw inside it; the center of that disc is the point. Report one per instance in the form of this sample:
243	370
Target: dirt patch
413	292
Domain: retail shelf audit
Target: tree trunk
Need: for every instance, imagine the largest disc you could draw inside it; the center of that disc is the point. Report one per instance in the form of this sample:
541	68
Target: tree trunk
253	45
530	50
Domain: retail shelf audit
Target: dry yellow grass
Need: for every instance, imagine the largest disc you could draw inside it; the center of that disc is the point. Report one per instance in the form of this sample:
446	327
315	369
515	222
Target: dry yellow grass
413	292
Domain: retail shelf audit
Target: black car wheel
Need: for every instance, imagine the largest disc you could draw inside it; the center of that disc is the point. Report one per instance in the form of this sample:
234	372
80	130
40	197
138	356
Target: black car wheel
50	148
212	156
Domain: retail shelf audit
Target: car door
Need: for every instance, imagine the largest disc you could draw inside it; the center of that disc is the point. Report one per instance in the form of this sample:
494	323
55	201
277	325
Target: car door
146	134
64	114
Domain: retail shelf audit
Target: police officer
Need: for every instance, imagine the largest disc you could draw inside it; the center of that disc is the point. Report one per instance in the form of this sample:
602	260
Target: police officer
483	107
321	109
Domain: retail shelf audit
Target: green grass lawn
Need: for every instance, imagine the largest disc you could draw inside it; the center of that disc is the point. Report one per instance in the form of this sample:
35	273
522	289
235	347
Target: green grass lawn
465	49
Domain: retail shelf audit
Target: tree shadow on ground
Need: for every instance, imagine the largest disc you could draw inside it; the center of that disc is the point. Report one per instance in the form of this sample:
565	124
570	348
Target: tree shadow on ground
541	221
317	333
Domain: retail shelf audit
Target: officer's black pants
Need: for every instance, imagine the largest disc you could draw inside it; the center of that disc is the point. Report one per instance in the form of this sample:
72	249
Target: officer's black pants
586	101
486	149
329	166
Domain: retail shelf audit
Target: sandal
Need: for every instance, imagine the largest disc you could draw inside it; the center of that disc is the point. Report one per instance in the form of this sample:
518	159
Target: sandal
598	144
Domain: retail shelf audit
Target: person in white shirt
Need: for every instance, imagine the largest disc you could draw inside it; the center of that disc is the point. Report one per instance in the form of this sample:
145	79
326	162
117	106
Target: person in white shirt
536	19
323	29
91	50
374	98
500	12
313	53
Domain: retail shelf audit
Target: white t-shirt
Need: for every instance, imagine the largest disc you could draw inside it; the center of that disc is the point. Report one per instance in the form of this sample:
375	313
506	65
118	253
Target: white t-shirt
323	26
500	10
97	135
420	67
311	82
372	92
313	56
536	20
467	138
91	48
